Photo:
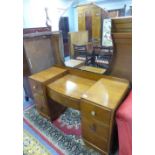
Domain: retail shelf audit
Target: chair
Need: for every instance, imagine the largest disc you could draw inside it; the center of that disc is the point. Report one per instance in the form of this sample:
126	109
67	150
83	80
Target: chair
124	125
81	53
102	56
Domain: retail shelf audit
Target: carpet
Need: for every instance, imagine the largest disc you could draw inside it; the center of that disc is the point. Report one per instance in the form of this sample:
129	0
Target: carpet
32	146
62	137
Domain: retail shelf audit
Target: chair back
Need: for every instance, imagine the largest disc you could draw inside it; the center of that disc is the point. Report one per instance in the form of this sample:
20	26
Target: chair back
79	50
103	56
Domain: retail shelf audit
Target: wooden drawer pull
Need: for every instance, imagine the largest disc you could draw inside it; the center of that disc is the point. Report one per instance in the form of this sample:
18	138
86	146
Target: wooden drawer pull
93	113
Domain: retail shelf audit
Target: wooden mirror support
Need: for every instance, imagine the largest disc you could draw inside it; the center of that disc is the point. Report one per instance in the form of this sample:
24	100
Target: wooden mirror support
122	39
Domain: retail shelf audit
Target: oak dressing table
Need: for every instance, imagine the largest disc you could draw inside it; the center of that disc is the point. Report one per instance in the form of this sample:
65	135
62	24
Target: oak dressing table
96	96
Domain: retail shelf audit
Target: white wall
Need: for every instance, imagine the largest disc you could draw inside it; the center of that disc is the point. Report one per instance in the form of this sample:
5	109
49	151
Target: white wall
34	12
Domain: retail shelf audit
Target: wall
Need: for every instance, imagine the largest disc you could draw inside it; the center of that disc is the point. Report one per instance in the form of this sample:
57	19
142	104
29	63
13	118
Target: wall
34	11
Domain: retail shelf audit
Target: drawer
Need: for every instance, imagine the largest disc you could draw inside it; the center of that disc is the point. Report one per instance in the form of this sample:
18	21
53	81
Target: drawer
99	129
91	110
43	111
36	86
63	99
39	99
93	138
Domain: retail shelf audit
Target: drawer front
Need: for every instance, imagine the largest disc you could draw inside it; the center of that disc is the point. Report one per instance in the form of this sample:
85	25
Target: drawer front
90	110
36	86
93	138
42	108
64	100
41	105
95	127
39	99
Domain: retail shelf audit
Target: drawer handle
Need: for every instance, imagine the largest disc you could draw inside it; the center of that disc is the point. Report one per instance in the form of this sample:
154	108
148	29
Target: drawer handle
34	87
93	113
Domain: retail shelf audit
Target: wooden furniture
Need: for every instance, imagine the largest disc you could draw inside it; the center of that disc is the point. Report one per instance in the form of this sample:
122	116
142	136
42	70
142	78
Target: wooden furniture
122	39
117	12
36	30
90	17
96	96
38	51
26	73
57	46
80	38
38	84
93	69
80	53
103	56
33	39
74	63
64	27
41	50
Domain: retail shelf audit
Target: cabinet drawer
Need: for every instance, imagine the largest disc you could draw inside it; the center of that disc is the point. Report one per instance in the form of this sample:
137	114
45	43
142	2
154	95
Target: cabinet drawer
64	100
39	99
95	127
44	110
94	139
91	110
36	86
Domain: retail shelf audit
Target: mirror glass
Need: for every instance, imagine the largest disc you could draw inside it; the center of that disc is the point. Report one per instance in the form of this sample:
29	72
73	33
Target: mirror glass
89	53
88	42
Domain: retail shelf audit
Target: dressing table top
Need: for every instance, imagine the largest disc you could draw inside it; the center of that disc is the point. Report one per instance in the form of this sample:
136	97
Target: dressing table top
71	85
107	93
47	74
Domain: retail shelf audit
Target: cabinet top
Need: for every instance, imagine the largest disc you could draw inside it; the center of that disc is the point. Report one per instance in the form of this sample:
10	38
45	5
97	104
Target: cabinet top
45	75
71	85
107	93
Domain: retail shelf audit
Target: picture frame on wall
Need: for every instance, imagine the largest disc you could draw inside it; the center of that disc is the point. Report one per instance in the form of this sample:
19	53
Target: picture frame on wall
106	34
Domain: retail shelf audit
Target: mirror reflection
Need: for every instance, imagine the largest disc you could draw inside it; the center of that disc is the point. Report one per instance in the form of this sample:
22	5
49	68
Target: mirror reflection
91	47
